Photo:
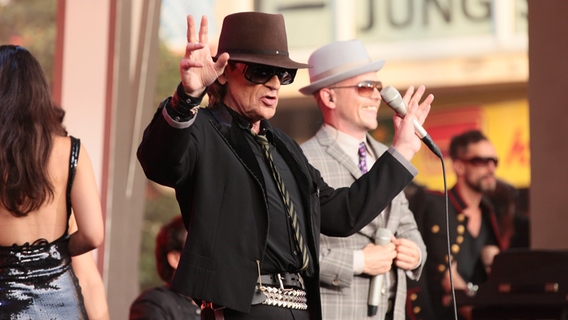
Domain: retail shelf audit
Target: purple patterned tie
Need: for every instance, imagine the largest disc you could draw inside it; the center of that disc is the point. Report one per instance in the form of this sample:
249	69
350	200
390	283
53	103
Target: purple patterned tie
362	158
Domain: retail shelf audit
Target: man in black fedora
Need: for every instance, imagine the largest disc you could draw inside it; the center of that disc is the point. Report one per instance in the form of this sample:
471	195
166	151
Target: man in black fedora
253	205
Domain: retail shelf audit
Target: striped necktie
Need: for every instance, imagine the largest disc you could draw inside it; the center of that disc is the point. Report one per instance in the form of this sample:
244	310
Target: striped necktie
362	158
263	142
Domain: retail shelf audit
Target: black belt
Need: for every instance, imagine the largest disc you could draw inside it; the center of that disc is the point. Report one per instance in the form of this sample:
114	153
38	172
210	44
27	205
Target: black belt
284	279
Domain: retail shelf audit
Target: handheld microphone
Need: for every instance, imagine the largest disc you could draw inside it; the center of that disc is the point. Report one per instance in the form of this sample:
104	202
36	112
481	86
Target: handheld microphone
383	238
393	99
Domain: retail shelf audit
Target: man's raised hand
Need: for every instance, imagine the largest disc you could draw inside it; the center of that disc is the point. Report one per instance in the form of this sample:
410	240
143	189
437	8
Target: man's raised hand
197	68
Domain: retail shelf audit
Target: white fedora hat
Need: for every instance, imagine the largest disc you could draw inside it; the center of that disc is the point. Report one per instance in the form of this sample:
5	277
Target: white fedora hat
338	61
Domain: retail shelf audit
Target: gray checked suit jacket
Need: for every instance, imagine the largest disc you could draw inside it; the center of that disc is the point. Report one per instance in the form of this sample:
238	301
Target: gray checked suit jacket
344	296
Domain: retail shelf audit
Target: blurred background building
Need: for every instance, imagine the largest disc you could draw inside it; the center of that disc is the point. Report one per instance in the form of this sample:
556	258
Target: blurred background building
111	61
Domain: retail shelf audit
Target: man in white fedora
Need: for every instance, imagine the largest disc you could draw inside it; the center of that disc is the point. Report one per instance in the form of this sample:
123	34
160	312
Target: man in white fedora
343	81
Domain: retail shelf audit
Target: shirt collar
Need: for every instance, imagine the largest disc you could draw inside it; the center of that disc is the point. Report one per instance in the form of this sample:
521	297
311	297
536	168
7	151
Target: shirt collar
348	144
244	124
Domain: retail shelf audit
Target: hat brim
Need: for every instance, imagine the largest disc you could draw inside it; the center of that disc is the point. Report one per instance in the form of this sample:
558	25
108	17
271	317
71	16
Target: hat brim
280	61
325	82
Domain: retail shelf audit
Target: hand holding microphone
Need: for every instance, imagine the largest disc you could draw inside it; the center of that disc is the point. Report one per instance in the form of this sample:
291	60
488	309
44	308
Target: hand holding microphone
393	99
382	239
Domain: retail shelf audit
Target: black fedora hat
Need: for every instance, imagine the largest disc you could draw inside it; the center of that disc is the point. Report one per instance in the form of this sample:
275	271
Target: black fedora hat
256	37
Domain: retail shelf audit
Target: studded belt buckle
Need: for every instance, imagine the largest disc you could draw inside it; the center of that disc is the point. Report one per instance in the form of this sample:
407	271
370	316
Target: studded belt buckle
280	296
291	298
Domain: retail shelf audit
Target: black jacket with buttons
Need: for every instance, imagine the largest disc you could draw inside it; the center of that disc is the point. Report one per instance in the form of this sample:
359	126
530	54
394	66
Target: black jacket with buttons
220	191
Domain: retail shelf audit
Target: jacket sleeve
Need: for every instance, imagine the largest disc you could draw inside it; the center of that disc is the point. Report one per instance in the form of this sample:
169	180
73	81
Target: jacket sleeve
365	198
336	266
168	148
408	229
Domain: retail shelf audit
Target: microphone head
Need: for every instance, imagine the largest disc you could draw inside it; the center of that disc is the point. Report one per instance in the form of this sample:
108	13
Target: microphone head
389	93
393	99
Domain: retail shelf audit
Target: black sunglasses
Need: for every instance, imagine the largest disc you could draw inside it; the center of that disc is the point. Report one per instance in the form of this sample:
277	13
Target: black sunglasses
364	88
261	74
481	161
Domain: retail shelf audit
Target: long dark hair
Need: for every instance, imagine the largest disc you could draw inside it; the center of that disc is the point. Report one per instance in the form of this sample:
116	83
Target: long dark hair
28	119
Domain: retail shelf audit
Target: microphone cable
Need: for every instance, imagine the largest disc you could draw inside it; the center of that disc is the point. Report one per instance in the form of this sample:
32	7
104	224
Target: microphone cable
452	288
394	100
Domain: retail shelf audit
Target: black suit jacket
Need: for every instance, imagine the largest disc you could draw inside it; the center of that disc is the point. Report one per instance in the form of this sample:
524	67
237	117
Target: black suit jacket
425	296
220	190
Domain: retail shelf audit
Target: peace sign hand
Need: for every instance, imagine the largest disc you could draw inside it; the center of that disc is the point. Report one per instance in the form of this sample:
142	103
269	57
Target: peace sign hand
197	68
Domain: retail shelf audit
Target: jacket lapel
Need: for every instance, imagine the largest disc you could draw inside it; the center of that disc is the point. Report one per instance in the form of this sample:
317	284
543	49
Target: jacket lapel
233	131
293	163
333	149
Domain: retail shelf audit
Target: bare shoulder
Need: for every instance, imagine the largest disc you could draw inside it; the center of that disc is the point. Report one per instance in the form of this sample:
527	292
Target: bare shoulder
61	146
59	160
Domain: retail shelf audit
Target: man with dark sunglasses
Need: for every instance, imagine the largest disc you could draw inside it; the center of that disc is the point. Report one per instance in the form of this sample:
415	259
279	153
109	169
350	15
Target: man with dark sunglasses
474	234
253	205
345	86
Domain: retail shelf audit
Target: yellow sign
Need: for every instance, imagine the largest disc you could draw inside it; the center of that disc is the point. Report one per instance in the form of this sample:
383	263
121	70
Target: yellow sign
506	124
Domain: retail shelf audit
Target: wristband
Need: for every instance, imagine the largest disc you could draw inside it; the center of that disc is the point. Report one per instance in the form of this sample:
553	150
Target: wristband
186	100
183	107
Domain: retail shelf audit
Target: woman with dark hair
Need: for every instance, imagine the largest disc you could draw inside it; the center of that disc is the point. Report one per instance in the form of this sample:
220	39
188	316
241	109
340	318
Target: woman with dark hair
160	303
44	176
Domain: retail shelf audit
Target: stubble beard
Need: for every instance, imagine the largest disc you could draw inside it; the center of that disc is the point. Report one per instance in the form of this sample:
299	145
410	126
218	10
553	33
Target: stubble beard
483	184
